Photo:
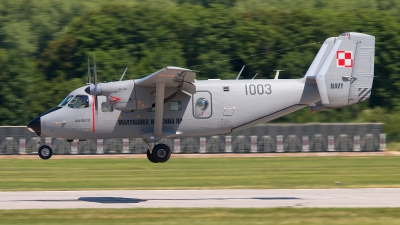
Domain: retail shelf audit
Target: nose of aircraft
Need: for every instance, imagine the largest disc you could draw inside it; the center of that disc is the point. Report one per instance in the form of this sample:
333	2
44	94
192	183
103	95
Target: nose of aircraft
34	126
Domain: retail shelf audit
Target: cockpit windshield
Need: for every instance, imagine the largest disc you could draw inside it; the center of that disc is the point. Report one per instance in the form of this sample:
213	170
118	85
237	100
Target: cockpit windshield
79	101
66	100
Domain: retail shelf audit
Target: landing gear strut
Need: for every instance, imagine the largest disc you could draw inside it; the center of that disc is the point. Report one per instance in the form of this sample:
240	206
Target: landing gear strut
160	153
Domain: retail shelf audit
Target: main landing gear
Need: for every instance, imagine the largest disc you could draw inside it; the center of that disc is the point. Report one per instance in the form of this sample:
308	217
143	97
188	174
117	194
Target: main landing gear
160	153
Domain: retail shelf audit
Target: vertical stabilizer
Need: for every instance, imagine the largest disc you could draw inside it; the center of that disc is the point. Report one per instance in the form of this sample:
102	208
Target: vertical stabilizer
320	58
345	76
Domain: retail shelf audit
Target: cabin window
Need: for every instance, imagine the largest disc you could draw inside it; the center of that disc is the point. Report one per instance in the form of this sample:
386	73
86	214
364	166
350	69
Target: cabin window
202	104
79	102
175	106
106	107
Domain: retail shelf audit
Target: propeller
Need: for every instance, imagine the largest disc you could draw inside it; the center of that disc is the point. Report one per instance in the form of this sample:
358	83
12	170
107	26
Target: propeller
92	90
95	90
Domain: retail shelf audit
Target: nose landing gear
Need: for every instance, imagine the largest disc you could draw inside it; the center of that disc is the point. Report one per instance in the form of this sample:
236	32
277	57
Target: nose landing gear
45	151
160	153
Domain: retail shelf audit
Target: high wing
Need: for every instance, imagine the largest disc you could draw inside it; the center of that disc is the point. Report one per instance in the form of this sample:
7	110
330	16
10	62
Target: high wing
168	77
180	78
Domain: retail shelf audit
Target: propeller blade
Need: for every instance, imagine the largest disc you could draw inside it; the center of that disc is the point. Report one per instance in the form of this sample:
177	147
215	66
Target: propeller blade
94	71
88	71
96	114
95	77
123	74
96	108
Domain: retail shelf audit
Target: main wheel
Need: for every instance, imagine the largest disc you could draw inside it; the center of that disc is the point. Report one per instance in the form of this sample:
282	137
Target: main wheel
150	157
45	152
161	153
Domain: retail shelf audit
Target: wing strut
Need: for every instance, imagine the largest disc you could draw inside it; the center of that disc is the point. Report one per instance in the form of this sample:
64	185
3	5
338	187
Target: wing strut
159	109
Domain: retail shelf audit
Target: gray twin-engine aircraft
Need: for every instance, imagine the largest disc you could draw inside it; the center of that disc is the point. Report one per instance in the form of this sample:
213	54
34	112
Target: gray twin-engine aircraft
170	103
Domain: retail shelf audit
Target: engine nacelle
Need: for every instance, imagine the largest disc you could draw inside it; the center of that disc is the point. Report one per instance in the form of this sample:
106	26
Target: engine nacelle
124	95
120	94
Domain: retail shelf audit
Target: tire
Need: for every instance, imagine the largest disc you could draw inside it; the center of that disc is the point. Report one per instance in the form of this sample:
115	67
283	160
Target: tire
161	153
150	156
45	152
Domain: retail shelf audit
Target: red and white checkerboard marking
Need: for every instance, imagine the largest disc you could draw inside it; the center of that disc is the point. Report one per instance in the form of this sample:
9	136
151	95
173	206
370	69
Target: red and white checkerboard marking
344	58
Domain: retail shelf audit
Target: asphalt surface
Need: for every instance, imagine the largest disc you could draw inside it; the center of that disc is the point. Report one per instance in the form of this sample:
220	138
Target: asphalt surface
246	198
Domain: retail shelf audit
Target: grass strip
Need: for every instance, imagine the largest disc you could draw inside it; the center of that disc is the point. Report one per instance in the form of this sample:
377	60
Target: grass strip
199	173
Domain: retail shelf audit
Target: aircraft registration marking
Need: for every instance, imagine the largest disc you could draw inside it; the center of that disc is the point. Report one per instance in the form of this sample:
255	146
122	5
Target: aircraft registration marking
260	89
82	121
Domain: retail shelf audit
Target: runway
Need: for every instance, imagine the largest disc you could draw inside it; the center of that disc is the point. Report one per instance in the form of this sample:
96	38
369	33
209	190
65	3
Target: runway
321	198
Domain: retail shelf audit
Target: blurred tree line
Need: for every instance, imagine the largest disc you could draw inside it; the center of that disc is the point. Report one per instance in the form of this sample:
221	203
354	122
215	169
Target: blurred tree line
44	46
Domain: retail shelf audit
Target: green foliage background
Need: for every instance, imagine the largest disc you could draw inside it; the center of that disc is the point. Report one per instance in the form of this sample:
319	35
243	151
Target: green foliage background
44	45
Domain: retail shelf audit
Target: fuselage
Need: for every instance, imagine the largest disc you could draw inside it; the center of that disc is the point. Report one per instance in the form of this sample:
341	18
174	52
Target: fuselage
218	107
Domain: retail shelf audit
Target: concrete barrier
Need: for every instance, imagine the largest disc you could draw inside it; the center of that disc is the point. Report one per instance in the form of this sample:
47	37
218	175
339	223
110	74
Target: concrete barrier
267	138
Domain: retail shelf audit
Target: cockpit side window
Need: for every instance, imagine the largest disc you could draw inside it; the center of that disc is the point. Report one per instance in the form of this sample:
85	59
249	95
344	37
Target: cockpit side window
79	101
66	100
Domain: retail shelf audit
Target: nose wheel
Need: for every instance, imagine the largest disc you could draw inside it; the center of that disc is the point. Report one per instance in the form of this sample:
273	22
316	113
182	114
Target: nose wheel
160	153
45	152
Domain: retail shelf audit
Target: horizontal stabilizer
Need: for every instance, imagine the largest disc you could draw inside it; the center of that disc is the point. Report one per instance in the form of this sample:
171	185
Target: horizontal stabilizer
317	107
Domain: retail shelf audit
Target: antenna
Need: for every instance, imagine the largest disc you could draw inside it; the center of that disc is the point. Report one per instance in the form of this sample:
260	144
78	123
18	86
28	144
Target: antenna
237	78
255	76
123	74
277	73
